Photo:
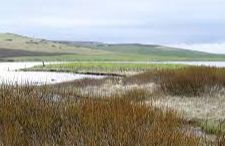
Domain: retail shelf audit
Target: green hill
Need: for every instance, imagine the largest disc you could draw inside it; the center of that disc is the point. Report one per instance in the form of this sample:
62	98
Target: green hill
20	48
144	49
156	52
20	43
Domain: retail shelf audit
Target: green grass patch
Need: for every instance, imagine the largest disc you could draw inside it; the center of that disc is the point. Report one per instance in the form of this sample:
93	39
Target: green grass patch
103	67
213	126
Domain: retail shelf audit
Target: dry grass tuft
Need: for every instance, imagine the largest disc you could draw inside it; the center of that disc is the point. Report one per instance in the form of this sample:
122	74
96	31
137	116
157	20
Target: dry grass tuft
186	81
193	81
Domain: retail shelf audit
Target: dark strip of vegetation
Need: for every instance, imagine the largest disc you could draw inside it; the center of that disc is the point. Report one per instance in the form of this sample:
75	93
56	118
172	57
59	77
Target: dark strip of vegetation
5	53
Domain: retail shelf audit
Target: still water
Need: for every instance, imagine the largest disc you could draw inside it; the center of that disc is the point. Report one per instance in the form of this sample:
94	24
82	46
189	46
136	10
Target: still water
10	74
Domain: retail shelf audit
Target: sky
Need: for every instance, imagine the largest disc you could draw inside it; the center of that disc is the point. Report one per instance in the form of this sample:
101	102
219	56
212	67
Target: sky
193	24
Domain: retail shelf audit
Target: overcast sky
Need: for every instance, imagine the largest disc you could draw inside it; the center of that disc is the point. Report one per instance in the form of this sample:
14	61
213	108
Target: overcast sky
130	21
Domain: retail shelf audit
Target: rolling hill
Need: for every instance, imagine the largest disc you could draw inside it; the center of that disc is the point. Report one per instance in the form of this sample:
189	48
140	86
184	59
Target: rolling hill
17	42
142	49
21	48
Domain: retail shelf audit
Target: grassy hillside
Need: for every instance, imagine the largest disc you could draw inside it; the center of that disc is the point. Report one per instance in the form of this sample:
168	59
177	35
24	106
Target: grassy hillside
17	42
20	48
153	50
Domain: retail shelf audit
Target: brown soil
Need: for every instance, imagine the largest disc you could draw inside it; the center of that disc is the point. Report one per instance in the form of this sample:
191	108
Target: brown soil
5	53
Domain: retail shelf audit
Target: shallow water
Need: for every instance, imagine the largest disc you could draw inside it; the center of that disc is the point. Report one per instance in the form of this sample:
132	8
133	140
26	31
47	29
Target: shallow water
9	74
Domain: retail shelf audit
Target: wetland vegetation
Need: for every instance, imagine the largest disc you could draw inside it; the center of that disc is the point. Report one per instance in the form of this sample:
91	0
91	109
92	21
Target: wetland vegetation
156	105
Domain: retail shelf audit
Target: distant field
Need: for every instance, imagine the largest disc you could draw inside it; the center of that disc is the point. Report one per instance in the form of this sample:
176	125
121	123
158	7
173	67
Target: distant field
20	48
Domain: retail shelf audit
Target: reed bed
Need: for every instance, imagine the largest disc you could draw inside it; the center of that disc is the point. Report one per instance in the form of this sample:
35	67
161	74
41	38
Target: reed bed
186	81
193	81
29	116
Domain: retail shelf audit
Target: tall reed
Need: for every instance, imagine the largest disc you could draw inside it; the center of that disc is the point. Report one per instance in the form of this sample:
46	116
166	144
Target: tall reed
186	81
28	118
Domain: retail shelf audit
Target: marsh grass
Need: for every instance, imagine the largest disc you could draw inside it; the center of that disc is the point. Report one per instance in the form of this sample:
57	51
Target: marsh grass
90	82
216	127
193	81
111	68
142	78
28	118
185	81
59	115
